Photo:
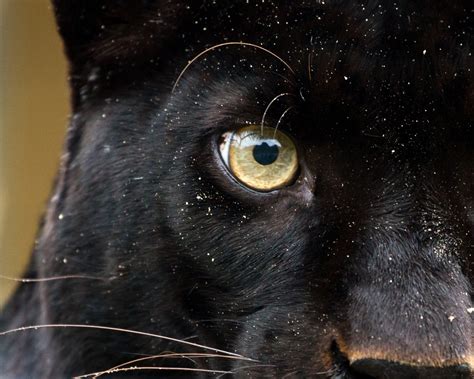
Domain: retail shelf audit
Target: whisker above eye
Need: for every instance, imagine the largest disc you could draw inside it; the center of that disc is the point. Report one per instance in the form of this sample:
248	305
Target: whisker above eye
121	330
269	106
310	64
281	118
231	43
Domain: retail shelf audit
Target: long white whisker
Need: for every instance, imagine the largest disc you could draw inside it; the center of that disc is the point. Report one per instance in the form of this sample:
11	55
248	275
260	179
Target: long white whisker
130	331
138	368
241	368
229	44
52	278
171	355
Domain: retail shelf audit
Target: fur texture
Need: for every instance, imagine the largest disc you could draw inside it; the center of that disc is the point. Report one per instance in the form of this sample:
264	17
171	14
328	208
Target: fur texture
367	257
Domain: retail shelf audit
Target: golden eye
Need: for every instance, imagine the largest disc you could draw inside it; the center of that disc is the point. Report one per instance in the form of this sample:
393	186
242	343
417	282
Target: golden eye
262	159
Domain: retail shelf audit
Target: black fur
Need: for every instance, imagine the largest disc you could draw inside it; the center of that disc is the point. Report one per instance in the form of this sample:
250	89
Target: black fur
368	255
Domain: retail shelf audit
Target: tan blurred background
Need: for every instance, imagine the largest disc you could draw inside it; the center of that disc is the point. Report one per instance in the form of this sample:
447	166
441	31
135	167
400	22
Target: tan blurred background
33	115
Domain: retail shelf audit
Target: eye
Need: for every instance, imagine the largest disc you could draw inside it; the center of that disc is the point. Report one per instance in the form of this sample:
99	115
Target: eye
261	159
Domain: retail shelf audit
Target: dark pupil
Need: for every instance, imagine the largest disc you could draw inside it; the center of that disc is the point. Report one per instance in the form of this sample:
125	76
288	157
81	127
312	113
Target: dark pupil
265	154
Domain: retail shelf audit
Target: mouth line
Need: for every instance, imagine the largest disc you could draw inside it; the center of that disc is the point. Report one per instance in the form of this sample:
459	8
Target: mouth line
342	369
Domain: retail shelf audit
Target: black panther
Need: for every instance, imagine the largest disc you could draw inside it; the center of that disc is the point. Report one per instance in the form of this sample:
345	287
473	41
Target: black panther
283	189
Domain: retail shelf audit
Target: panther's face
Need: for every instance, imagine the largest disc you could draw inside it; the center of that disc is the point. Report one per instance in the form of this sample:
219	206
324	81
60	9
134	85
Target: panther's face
302	195
363	256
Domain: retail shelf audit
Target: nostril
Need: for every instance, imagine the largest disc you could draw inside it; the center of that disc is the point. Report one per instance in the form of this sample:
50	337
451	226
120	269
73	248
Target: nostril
382	369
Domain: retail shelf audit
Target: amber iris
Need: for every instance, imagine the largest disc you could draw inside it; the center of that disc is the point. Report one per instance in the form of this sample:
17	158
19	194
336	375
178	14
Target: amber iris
263	159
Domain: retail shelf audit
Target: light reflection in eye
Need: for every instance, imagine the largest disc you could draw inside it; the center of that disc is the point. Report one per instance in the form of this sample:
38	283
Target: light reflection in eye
261	159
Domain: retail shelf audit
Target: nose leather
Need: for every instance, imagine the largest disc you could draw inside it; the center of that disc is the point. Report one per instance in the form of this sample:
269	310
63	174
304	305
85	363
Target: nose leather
376	368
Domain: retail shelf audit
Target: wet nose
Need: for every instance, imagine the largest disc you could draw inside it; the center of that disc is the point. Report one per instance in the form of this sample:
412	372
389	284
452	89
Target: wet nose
375	368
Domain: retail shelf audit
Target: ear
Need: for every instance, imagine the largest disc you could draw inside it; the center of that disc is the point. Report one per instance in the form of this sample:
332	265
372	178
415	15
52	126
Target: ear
116	35
111	30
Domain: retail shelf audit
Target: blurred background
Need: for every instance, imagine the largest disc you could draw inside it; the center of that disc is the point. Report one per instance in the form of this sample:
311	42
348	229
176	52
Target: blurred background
34	104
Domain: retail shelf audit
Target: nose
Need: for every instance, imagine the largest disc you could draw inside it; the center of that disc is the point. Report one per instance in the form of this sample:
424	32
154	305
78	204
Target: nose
376	368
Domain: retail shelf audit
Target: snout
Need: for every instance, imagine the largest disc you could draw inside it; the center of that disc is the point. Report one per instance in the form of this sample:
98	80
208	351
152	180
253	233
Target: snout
409	316
368	365
412	340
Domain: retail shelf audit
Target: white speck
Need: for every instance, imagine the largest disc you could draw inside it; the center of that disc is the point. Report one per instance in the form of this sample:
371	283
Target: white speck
198	197
451	318
470	310
104	115
65	260
345	77
61	216
424	52
94	74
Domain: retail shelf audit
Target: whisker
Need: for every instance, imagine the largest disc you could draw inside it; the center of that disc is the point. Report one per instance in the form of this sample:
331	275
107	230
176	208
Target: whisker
121	330
328	372
52	278
281	118
290	374
170	355
269	106
229	44
241	368
138	368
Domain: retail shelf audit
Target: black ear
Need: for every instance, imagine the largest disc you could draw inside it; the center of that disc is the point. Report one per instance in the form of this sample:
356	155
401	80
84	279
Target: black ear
113	36
104	31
